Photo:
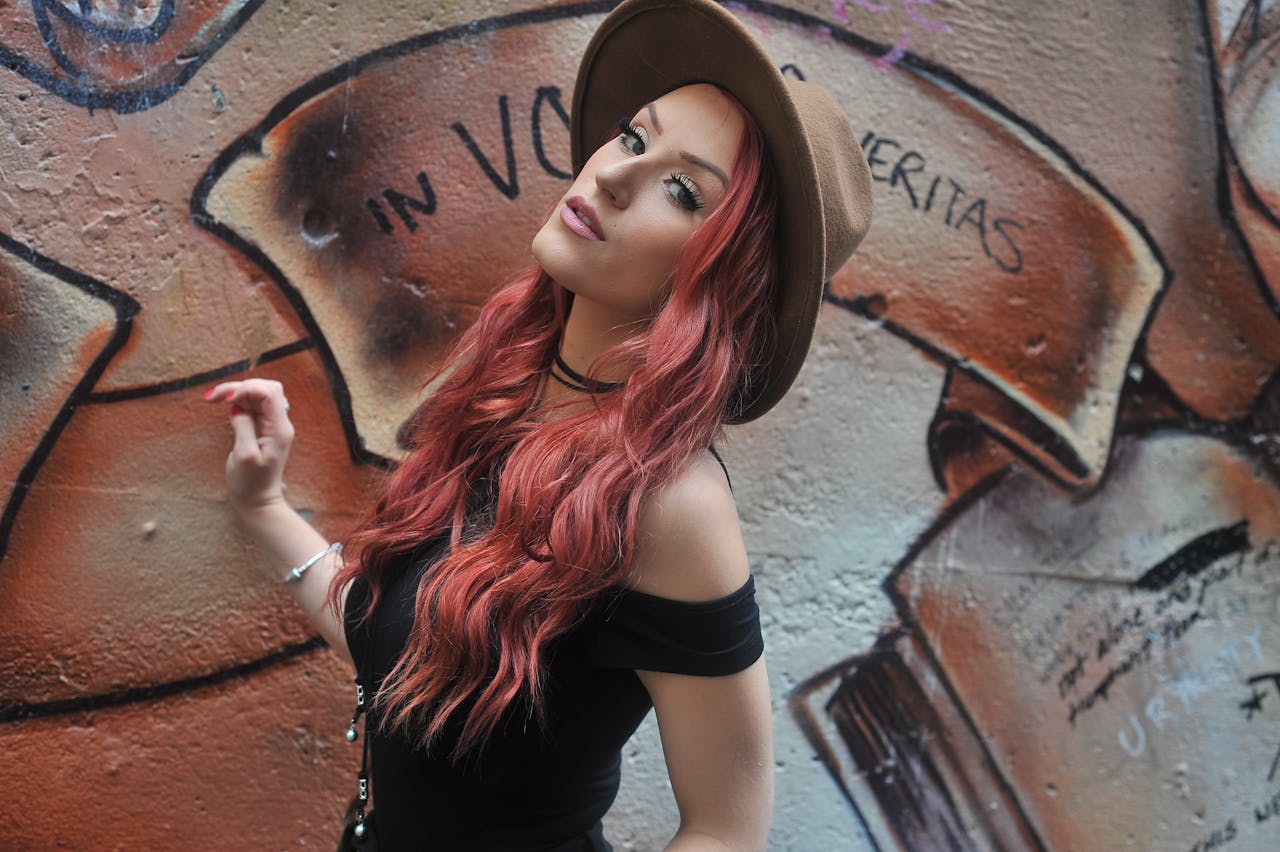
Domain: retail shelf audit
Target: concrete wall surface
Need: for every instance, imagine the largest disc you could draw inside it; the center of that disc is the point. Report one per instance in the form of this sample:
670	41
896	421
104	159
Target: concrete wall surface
1014	530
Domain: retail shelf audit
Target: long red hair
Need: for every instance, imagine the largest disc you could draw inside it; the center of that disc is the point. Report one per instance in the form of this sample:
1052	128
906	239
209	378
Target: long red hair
564	526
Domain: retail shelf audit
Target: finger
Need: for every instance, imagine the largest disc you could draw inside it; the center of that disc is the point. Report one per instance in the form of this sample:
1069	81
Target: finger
221	391
246	436
262	398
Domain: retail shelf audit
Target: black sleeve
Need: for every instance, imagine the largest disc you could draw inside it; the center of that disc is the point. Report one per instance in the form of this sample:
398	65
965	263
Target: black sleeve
634	630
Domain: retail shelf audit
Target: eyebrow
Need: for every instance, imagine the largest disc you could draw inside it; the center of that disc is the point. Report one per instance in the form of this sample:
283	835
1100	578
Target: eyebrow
653	116
692	158
698	161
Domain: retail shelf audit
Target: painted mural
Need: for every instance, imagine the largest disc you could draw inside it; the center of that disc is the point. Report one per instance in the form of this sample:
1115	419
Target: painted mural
1016	531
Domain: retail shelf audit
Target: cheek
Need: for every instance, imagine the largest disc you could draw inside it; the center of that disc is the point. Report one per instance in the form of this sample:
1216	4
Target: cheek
657	245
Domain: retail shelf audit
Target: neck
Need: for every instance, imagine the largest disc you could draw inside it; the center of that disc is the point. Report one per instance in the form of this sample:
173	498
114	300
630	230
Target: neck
589	331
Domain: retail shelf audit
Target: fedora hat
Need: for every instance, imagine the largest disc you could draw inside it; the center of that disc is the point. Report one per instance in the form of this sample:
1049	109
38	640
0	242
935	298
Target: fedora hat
644	49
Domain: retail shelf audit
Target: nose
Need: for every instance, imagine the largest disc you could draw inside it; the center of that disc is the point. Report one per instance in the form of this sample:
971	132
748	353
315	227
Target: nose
615	180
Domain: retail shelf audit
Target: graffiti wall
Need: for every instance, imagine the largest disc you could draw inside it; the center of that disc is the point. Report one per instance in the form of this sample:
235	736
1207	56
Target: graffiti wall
1016	531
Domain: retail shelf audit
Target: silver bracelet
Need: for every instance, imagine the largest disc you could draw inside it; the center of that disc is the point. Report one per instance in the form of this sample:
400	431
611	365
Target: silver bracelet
296	574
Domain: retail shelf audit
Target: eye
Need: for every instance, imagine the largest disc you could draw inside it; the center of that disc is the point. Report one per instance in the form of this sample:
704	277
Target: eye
684	192
631	138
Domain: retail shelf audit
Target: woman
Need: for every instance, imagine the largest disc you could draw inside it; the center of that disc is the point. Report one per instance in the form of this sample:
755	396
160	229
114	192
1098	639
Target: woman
560	551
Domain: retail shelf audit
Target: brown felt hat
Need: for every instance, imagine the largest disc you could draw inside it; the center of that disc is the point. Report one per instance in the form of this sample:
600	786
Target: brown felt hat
646	48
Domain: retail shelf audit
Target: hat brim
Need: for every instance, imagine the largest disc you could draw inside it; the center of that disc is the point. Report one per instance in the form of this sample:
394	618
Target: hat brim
646	48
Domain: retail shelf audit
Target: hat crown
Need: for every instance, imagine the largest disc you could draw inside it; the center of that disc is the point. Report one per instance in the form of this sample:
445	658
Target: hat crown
645	48
844	179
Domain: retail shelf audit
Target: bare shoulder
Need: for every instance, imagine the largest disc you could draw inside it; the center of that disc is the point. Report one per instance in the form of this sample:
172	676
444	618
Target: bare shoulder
689	544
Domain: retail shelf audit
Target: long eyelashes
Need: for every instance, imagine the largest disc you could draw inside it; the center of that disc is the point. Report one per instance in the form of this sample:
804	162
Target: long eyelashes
687	195
632	140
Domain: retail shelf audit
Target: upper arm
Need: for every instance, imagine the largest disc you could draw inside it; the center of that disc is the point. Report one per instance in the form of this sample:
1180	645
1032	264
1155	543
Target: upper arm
717	741
688	542
716	731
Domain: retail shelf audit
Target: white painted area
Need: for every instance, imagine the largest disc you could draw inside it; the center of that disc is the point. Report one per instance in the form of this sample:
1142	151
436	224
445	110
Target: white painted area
832	487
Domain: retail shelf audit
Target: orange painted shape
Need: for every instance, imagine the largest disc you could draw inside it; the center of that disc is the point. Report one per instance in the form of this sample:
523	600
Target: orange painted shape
114	48
50	334
1078	680
251	763
1249	66
126	567
372	202
992	250
1216	340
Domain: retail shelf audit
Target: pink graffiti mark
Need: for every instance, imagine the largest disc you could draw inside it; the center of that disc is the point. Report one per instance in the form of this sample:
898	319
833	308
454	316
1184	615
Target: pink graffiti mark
741	9
839	8
909	6
899	49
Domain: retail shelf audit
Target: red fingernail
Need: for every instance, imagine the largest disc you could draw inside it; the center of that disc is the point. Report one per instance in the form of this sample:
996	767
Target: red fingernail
235	409
228	396
209	393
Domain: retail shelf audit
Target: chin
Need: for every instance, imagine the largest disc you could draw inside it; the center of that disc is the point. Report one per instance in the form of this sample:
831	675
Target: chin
550	252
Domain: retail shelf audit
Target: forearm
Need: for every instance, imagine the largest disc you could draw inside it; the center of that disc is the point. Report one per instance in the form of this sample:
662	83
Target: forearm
288	541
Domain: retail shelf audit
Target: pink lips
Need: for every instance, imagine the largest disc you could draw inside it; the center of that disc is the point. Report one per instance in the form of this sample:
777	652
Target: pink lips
581	218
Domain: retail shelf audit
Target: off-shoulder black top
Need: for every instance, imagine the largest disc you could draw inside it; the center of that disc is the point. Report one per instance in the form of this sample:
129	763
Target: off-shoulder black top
532	787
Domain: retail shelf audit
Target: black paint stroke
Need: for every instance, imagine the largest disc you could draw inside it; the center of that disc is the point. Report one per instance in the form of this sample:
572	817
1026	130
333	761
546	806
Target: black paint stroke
10	713
930	791
1195	556
1228	159
892	730
550	94
810	728
136	35
250	145
85	92
944	78
126	308
197	379
989	766
401	203
511	186
149	34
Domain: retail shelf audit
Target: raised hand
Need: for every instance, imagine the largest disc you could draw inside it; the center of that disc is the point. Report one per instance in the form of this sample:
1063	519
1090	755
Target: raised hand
263	434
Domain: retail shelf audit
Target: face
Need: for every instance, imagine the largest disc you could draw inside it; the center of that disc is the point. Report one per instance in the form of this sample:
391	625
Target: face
616	235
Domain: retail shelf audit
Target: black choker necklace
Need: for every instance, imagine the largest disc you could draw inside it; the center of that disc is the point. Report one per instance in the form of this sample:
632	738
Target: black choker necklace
576	381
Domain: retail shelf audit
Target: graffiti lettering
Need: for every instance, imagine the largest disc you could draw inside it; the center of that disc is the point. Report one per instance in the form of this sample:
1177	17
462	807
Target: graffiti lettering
892	164
1218	838
1134	750
510	186
1268	809
1113	633
1067	683
1158	713
401	203
1195	682
423	203
1274	677
547	95
1192	684
910	7
1139	657
1044	636
1173	628
1179	586
1252	705
1189	687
